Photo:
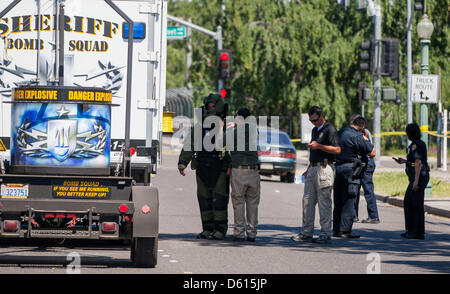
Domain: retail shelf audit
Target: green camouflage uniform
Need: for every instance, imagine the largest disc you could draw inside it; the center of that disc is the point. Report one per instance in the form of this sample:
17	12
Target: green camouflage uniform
212	180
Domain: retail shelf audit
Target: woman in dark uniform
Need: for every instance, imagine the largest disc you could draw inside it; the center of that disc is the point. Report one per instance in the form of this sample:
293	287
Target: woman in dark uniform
419	174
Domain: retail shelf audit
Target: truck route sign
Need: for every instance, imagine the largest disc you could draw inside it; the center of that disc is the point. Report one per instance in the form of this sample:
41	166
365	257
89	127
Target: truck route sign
425	88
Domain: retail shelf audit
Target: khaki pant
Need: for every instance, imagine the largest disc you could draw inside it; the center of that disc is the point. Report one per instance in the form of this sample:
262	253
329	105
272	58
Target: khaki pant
245	194
318	188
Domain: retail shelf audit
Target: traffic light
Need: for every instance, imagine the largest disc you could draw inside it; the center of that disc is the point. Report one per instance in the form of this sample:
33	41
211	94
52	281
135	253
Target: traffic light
419	5
366	56
390	58
225	93
364	92
224	61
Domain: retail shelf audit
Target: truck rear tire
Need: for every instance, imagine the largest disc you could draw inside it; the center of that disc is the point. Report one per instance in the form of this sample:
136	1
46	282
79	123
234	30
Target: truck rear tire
144	252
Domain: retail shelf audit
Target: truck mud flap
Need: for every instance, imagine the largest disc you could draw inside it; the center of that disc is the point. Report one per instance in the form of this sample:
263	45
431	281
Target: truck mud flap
146	211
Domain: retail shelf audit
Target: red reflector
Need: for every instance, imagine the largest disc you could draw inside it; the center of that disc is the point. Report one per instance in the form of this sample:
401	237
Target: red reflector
49	215
60	215
109	227
11	225
145	209
123	208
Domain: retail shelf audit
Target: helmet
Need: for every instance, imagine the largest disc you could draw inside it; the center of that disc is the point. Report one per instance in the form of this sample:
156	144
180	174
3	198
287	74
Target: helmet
221	108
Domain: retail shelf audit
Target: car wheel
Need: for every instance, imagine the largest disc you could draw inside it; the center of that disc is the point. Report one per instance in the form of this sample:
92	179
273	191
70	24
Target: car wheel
290	177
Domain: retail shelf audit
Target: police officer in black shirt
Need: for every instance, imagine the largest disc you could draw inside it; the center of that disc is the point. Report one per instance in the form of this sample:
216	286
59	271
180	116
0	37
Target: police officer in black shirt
350	167
418	173
319	176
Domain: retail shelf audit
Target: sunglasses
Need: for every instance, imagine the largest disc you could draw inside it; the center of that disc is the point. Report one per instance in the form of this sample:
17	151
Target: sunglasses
314	120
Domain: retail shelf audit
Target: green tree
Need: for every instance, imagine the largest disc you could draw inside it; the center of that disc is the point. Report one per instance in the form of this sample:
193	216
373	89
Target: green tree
290	55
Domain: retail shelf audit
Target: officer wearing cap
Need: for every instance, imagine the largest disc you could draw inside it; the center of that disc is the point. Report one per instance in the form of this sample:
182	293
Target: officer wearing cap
350	167
418	173
211	172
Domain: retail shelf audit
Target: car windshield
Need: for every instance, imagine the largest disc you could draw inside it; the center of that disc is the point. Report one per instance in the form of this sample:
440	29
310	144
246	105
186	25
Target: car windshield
271	137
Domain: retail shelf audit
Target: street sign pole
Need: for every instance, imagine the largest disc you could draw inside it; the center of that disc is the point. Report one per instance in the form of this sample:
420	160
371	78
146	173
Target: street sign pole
219	47
423	107
216	35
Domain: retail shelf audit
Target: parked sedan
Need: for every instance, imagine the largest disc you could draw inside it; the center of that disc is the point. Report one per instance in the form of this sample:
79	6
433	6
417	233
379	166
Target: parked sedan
277	155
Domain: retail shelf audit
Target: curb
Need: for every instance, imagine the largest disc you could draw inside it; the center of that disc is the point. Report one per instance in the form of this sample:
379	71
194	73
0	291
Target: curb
399	202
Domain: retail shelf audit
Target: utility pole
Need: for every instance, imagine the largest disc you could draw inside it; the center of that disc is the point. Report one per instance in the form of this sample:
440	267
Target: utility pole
409	61
376	17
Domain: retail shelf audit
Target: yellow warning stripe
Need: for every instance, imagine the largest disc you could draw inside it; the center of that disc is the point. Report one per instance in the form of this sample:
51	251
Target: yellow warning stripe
296	140
2	146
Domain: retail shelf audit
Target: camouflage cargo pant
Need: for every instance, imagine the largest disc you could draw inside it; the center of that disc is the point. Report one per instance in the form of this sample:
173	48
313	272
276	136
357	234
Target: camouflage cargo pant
213	204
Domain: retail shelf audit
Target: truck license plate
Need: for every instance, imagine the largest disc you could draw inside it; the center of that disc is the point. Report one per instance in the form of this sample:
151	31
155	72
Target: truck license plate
14	191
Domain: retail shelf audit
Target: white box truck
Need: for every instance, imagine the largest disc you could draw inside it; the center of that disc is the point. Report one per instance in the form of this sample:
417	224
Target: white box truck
82	90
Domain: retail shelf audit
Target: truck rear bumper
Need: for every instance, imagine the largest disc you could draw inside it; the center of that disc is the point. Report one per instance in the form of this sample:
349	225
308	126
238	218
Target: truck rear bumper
109	207
24	211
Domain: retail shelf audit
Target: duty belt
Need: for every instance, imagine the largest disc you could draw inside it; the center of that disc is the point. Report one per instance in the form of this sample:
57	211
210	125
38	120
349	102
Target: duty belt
245	166
322	163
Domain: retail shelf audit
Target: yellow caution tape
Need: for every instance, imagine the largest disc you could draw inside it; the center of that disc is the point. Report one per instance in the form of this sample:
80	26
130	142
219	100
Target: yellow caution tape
431	133
434	133
396	133
388	134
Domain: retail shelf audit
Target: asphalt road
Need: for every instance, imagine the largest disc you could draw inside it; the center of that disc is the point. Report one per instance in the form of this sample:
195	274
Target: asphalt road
273	253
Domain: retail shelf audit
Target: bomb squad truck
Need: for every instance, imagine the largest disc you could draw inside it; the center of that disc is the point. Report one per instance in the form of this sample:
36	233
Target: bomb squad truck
82	88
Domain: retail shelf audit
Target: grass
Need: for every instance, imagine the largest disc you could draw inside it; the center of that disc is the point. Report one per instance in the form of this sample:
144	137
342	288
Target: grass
395	184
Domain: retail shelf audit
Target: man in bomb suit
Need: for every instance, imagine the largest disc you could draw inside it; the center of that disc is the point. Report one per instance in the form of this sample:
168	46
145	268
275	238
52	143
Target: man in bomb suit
212	169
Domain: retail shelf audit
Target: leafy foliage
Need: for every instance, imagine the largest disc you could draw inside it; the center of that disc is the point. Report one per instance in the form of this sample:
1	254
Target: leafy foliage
290	55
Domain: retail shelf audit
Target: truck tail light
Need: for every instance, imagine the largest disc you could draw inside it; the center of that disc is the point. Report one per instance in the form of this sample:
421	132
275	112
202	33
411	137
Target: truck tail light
123	208
49	215
11	225
60	215
109	227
